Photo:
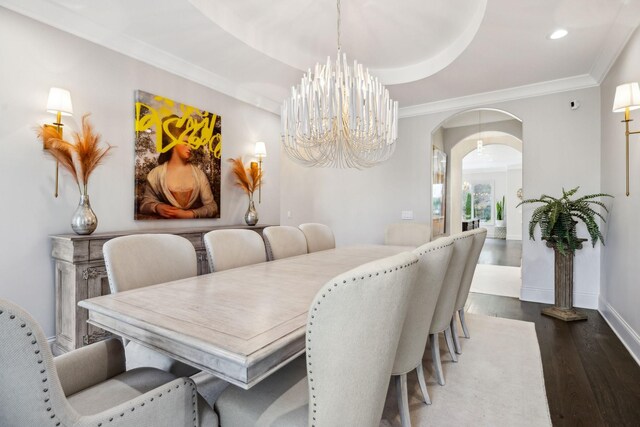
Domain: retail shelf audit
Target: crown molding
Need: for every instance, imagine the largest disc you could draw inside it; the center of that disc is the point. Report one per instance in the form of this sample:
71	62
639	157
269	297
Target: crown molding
520	92
64	19
621	30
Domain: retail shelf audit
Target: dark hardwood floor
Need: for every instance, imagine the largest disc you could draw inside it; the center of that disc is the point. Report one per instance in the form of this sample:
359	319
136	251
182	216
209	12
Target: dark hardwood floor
590	377
501	252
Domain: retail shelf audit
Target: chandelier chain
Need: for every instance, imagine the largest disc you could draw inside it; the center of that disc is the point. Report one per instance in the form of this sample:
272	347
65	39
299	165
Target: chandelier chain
338	5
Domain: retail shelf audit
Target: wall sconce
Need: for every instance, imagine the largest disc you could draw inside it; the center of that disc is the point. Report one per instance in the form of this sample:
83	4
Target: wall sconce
260	151
627	98
59	103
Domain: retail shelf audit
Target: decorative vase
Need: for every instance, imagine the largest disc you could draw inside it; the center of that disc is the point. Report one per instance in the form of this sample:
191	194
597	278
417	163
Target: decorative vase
251	217
84	220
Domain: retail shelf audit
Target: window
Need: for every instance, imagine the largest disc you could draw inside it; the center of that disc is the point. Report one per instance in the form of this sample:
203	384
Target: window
477	201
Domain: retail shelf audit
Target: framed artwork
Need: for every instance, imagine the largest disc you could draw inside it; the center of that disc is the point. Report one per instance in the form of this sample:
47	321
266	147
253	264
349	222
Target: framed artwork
177	166
438	192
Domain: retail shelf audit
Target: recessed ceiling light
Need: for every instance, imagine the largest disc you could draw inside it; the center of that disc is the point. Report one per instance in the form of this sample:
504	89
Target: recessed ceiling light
558	34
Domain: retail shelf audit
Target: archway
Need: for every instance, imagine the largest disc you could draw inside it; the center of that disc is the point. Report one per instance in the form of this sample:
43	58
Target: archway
501	134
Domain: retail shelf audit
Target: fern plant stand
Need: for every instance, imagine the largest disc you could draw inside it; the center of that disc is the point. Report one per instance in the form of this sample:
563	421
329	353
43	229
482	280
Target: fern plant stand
563	307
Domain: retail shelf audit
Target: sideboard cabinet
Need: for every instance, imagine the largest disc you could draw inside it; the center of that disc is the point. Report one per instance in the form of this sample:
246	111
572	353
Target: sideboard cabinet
80	274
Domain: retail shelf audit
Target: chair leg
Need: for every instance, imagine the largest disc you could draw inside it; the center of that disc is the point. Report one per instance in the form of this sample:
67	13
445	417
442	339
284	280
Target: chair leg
463	323
423	384
449	340
402	393
435	356
454	332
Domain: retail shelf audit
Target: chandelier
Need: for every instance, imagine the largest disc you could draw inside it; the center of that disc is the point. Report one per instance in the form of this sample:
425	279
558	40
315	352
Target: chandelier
339	117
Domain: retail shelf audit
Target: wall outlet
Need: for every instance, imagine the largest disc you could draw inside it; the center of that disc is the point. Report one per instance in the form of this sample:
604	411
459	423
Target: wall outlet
406	215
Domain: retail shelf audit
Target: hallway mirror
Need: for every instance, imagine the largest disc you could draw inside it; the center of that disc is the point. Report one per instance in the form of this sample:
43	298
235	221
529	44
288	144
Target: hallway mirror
438	192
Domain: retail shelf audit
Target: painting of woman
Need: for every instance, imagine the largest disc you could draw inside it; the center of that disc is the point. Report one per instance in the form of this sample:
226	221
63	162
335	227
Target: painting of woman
177	160
176	188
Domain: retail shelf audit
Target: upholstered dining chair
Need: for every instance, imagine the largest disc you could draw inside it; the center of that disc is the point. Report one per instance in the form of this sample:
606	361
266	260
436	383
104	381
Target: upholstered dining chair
234	248
433	261
284	241
319	237
140	260
353	328
479	236
86	387
407	234
441	321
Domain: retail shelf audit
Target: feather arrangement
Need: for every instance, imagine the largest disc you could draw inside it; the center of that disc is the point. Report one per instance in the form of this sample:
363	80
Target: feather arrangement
249	179
79	159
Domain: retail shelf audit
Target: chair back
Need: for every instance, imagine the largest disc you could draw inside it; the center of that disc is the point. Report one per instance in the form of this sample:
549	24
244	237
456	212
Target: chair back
433	261
147	259
284	241
353	328
234	248
319	237
479	236
407	234
449	293
31	394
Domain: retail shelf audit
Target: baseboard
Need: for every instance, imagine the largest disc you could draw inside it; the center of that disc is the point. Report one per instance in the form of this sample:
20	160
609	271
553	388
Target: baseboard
630	338
546	296
514	237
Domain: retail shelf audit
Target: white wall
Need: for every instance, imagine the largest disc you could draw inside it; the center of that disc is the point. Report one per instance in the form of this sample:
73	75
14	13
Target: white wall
561	148
36	57
620	290
513	213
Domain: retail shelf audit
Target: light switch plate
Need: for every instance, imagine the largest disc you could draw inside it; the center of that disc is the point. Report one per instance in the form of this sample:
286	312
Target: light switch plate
407	215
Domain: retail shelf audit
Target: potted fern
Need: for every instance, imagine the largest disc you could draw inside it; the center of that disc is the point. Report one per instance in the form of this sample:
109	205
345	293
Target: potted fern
557	219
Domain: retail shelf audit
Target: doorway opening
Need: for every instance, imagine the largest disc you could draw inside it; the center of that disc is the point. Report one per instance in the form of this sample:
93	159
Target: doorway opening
483	188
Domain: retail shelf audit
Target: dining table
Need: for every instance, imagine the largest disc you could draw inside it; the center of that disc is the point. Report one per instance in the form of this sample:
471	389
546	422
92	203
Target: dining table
240	324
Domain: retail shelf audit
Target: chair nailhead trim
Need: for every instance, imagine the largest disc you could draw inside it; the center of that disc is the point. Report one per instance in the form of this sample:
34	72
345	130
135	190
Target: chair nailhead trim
318	302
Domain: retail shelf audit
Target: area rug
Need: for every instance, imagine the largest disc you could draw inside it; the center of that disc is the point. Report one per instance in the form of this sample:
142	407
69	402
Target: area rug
497	280
497	381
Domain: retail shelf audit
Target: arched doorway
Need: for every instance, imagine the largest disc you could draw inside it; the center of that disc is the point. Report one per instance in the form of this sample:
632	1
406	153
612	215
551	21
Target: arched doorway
479	175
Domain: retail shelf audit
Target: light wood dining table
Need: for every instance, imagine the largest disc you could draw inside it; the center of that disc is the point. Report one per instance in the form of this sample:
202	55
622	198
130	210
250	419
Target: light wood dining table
241	324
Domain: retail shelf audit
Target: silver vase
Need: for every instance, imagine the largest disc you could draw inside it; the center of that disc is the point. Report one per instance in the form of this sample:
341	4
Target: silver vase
251	217
84	220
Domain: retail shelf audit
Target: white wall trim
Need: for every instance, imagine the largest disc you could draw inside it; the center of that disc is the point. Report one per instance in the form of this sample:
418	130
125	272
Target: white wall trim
520	92
546	296
630	338
63	19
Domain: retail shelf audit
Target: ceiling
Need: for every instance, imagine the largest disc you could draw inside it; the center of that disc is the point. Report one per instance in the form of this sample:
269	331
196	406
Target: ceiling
432	55
493	157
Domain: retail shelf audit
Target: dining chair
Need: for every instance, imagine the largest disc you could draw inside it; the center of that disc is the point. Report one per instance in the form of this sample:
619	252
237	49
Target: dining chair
352	333
233	248
140	260
284	241
433	260
441	321
86	387
407	234
319	237
479	237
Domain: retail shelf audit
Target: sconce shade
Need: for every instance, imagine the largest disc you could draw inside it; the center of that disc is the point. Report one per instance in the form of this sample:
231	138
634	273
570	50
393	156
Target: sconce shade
260	150
59	102
627	96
